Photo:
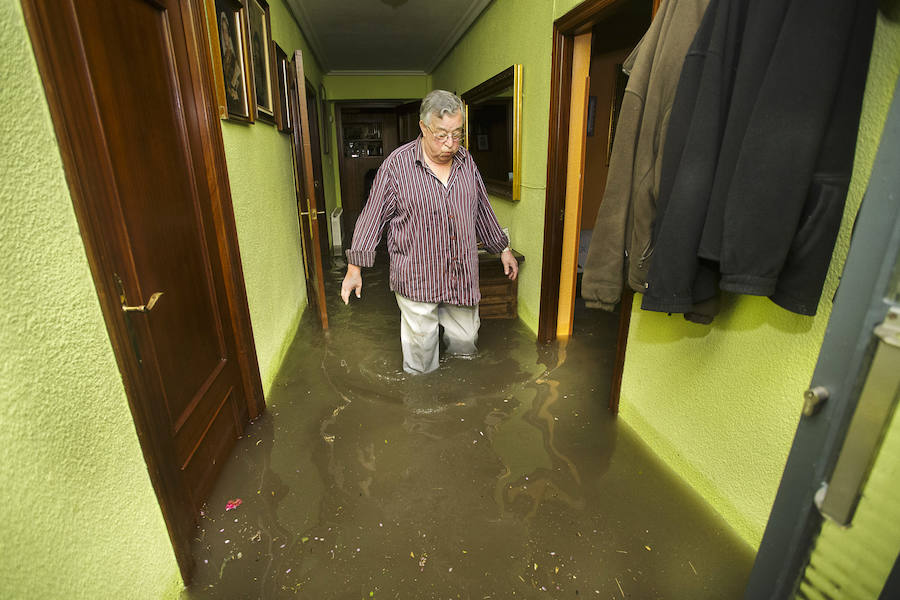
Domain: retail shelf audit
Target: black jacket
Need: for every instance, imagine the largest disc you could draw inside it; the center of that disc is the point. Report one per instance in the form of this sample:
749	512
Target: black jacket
759	152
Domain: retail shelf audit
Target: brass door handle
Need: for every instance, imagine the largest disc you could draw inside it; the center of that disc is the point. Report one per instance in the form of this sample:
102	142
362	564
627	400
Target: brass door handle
143	308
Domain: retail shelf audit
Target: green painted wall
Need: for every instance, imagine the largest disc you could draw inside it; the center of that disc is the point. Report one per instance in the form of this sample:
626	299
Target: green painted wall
376	86
265	211
721	403
515	32
80	518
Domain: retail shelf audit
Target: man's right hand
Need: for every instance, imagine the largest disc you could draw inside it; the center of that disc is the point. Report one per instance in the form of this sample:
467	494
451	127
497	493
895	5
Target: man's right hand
352	282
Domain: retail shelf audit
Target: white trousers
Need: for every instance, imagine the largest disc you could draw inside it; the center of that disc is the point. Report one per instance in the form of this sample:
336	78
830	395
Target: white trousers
419	322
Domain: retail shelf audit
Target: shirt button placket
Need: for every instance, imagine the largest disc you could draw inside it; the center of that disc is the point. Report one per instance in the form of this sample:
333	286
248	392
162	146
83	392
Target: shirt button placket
454	260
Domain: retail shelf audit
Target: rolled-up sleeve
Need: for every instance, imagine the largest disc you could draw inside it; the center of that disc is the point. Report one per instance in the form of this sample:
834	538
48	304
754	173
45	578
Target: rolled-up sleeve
372	220
487	228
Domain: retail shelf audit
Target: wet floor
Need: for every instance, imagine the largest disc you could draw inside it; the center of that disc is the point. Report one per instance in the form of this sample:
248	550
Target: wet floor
499	477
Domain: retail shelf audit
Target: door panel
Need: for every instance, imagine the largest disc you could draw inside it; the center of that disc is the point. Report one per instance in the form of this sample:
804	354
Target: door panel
318	184
161	201
304	183
408	121
131	98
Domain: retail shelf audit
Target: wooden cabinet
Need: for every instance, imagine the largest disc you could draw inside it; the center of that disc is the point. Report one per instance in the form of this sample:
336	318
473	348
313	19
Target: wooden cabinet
498	294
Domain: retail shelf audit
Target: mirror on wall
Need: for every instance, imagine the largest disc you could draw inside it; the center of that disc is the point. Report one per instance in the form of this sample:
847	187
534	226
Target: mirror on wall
494	131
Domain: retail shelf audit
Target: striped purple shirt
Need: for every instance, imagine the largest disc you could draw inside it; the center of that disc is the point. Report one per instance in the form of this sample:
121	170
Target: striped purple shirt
431	229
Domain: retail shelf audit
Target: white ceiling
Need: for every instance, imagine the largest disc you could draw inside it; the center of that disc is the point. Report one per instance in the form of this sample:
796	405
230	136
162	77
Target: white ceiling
410	36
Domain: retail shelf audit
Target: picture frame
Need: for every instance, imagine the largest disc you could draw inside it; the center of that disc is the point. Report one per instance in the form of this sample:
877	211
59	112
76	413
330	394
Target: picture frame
234	86
481	142
323	104
262	59
283	108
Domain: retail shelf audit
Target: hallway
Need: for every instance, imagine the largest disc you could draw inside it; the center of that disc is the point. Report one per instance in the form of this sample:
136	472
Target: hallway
501	477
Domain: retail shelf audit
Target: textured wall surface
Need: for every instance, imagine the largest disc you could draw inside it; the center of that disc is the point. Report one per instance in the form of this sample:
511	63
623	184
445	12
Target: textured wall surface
561	7
721	403
80	518
376	87
507	33
265	210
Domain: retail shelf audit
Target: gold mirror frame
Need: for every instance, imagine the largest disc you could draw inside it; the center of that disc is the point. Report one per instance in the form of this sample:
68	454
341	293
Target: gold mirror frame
510	78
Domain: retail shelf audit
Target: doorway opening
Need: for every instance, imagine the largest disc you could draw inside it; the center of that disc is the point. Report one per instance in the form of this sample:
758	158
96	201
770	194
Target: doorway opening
368	131
587	84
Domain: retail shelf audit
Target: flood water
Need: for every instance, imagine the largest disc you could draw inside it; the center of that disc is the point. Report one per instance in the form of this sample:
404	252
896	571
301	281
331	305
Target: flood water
499	477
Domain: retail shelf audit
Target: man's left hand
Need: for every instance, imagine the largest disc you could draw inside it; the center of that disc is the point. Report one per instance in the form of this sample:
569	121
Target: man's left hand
510	264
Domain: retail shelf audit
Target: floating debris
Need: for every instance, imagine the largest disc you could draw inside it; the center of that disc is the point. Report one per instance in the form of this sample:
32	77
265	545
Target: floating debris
620	587
233	504
692	567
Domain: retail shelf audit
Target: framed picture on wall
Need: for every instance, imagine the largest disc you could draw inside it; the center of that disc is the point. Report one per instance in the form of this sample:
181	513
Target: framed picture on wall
231	26
283	108
262	59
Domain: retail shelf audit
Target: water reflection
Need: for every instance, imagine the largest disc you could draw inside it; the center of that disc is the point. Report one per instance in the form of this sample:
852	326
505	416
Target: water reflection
498	477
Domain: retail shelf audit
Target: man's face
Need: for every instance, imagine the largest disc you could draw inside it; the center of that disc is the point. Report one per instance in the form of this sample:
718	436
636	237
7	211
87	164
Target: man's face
449	127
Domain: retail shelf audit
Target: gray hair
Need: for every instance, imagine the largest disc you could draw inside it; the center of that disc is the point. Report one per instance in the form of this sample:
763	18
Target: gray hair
440	103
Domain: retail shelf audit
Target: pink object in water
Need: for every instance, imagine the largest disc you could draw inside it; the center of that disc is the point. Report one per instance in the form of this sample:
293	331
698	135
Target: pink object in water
232	504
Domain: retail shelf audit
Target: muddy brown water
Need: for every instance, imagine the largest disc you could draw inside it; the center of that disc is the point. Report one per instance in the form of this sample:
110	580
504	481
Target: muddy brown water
498	477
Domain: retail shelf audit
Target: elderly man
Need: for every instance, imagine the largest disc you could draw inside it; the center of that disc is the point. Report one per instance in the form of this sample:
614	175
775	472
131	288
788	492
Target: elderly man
429	196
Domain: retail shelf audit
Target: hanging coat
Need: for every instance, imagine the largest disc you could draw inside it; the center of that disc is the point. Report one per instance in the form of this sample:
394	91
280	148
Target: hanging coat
755	173
622	234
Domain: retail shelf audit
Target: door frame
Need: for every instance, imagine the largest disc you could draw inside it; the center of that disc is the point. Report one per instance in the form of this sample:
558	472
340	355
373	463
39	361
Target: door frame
72	122
844	359
315	140
580	19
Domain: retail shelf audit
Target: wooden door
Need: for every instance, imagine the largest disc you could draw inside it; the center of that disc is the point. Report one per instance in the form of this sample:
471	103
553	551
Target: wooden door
408	121
367	135
305	185
132	103
312	107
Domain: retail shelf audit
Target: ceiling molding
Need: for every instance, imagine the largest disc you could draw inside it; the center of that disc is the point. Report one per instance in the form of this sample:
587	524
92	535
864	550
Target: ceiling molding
309	32
475	9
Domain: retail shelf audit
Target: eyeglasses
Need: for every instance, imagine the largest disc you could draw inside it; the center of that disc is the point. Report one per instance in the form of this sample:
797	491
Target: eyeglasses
444	136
